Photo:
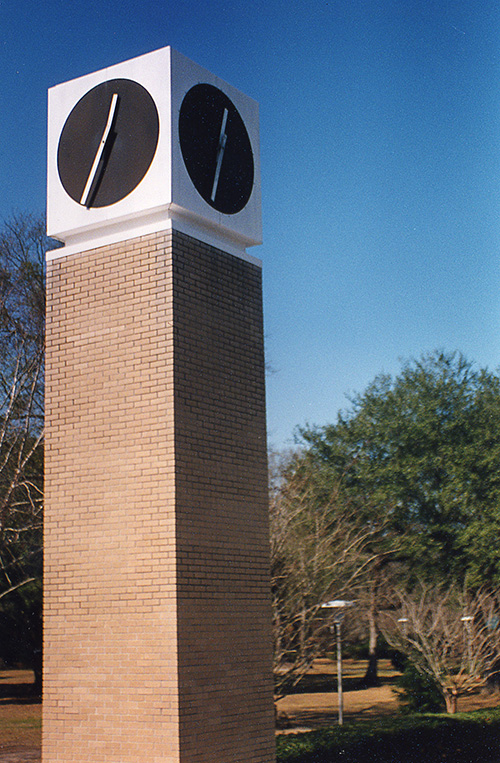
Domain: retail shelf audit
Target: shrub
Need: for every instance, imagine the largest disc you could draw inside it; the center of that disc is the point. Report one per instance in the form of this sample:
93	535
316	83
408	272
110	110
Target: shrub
418	693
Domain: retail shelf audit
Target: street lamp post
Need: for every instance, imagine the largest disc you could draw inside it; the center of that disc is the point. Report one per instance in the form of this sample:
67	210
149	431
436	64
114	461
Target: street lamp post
339	605
467	621
404	623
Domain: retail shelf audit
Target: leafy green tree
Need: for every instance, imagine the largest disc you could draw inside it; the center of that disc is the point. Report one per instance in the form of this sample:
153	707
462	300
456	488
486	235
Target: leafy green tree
421	454
423	449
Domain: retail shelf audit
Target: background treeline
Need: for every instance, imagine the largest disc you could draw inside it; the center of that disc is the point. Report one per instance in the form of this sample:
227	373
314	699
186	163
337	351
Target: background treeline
395	505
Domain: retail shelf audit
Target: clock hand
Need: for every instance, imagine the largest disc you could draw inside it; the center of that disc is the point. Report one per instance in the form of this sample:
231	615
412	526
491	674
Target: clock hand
220	153
93	170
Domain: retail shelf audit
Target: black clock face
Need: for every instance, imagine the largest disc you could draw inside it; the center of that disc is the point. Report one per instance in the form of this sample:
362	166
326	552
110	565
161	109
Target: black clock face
107	143
216	149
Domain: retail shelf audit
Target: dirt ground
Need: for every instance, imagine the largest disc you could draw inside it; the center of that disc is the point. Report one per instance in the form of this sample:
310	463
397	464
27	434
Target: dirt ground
20	718
313	705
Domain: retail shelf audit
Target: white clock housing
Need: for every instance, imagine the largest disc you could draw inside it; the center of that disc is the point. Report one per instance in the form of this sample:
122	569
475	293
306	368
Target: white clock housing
166	196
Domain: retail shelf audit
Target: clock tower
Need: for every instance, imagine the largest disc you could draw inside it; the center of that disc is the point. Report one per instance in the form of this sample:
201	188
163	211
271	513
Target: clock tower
157	612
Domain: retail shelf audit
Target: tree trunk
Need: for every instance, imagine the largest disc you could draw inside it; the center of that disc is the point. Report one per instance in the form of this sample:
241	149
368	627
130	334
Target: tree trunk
451	699
371	675
302	631
278	636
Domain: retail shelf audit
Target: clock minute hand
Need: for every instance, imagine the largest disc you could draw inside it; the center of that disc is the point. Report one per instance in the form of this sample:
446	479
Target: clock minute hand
220	153
104	139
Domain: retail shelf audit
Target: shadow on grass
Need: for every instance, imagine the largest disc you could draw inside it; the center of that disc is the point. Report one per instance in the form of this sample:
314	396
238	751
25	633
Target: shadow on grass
319	682
19	693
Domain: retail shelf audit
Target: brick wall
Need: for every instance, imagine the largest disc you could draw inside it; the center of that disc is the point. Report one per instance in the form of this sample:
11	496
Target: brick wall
157	643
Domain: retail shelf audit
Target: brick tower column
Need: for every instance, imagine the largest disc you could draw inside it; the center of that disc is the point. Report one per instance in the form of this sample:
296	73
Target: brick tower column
157	622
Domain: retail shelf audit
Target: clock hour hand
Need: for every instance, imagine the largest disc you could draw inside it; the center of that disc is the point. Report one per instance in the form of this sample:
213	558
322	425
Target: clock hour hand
102	144
220	153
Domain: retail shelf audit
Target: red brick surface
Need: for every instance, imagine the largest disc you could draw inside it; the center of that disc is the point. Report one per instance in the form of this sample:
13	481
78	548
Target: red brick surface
157	642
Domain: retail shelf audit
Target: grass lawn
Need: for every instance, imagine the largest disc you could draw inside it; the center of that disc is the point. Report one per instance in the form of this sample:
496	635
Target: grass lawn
374	730
314	703
20	712
462	738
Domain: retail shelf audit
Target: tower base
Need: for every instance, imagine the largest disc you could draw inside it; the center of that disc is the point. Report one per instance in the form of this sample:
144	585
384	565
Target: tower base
157	616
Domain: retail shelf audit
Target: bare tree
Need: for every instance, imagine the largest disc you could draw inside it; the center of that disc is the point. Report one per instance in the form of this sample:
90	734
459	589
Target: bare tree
320	549
22	314
448	635
23	244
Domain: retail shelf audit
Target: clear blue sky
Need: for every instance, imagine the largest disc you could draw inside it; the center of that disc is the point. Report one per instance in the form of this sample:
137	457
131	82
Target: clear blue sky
380	146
